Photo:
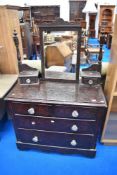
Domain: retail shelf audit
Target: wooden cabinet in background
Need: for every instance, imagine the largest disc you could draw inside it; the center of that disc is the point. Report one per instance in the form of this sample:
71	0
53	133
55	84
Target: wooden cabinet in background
8	23
76	15
76	7
109	135
106	18
45	14
92	18
26	14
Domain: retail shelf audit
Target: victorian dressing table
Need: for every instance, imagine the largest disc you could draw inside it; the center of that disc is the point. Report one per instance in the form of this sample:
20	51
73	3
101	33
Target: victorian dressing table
60	116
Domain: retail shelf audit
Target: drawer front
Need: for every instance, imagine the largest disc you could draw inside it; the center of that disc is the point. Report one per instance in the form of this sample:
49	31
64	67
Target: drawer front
91	80
54	124
61	111
76	112
32	109
29	80
56	139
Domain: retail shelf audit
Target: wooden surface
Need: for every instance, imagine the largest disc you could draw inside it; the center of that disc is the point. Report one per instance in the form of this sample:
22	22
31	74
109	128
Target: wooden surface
76	8
45	14
58	139
27	40
2	108
63	150
8	23
111	86
85	126
6	82
106	18
60	75
51	91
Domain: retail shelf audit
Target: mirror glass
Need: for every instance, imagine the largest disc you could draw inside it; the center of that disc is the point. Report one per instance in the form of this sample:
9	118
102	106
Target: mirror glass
60	54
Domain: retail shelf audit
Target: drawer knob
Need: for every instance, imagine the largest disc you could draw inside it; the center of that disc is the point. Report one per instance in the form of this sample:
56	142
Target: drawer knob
33	123
73	143
75	114
35	139
52	121
74	128
31	111
28	81
90	82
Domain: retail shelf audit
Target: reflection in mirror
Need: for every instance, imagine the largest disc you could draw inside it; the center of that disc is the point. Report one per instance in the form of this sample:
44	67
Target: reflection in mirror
60	54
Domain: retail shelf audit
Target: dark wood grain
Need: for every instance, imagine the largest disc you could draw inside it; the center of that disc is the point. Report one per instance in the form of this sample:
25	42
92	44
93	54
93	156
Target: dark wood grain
55	124
95	80
63	150
52	120
60	93
56	139
45	14
59	111
2	108
76	8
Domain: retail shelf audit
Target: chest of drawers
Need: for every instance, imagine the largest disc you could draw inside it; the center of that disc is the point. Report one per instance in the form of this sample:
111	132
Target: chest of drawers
49	117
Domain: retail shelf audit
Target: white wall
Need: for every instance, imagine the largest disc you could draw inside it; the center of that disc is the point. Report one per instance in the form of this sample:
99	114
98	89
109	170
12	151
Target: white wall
64	5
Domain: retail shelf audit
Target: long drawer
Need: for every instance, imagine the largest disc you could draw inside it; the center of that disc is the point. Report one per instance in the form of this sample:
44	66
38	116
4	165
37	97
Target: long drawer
52	110
56	139
55	124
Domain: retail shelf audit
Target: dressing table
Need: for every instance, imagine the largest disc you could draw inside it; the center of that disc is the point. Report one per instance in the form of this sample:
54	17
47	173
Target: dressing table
59	114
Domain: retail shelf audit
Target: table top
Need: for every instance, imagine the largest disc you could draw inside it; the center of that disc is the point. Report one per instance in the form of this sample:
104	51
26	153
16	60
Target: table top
6	83
58	93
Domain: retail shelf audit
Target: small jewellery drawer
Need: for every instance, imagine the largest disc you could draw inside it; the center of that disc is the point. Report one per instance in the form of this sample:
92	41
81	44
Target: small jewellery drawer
56	139
54	124
31	108
28	80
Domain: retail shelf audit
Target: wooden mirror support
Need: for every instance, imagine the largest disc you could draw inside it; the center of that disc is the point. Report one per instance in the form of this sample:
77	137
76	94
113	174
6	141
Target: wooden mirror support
97	66
92	74
60	26
27	74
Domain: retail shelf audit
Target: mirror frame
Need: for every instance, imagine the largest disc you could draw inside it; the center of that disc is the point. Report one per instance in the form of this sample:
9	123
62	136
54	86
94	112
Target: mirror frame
60	25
